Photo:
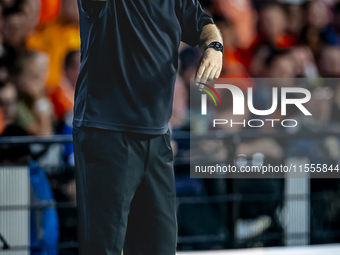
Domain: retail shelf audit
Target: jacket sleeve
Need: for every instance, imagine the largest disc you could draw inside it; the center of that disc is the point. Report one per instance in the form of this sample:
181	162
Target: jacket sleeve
192	19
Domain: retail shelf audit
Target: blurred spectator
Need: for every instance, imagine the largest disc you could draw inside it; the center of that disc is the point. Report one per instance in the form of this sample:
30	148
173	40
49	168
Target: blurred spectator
272	32
273	63
280	64
44	224
296	19
310	36
316	14
58	37
72	67
2	122
243	16
19	21
34	109
14	30
8	102
273	24
316	18
331	35
329	62
304	62
32	9
62	96
232	67
329	66
8	112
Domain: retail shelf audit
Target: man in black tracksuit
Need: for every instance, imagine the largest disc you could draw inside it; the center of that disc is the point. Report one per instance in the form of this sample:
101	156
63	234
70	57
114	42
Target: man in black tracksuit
123	103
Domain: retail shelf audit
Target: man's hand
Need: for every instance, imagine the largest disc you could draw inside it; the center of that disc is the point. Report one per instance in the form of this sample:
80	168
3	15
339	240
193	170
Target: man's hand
211	65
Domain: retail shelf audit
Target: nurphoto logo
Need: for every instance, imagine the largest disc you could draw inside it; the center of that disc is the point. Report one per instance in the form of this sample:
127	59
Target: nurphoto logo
238	107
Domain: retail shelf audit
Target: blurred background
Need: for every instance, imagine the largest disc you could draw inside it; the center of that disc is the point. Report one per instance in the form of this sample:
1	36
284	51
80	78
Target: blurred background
39	64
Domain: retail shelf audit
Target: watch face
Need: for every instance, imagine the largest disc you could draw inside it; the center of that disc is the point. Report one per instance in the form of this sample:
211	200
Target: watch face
216	45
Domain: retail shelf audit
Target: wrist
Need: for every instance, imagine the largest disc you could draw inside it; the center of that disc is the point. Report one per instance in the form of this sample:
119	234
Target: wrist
211	50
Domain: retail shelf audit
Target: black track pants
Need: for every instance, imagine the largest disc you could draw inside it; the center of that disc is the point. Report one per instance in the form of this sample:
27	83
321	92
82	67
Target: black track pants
125	193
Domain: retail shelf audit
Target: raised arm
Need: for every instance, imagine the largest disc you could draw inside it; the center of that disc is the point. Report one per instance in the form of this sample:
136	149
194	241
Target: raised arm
211	65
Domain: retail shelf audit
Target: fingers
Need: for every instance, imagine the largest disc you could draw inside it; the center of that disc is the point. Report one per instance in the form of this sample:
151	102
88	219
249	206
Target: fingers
210	66
215	73
208	72
218	74
203	72
200	71
212	74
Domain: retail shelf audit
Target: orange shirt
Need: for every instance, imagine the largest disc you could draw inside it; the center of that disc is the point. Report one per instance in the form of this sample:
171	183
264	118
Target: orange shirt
49	10
55	39
234	70
243	16
62	99
231	65
245	56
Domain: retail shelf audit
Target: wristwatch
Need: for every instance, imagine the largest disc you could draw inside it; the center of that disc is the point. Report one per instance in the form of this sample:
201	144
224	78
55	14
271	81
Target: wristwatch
215	45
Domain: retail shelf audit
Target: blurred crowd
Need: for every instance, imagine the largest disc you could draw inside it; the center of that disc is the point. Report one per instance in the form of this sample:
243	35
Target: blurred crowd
39	65
273	39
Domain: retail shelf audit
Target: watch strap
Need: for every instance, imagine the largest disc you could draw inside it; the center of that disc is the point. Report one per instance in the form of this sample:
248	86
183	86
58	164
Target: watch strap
216	45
